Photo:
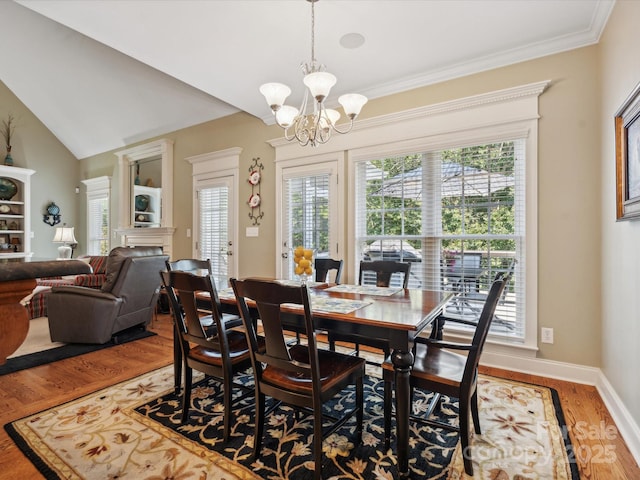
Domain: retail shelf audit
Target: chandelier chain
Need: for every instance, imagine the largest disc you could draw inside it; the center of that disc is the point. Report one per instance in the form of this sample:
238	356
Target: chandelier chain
313	29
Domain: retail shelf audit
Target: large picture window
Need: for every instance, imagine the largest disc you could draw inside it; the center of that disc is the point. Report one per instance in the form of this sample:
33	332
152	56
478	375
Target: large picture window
457	215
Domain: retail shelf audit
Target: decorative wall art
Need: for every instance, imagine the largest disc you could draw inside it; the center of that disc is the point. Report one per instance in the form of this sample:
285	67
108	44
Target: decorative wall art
627	134
255	200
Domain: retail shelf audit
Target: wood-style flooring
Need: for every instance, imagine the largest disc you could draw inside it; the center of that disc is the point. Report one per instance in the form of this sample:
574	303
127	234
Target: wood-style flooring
598	449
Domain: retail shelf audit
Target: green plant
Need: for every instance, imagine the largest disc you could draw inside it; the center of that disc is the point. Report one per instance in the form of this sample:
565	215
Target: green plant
8	126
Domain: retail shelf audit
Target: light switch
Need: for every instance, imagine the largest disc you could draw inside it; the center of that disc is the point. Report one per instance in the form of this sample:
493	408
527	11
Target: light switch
252	231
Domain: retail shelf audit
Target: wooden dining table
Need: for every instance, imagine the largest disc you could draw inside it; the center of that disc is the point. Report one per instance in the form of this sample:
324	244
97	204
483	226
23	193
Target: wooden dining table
394	314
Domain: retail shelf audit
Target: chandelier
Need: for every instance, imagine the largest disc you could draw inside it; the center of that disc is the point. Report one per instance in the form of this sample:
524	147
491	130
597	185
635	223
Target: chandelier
313	127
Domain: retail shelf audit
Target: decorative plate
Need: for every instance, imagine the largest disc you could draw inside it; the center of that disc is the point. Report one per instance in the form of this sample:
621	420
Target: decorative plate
8	188
5	209
254	177
254	200
142	203
53	209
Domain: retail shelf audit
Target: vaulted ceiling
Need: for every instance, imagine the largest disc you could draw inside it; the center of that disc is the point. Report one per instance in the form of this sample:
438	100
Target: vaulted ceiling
103	74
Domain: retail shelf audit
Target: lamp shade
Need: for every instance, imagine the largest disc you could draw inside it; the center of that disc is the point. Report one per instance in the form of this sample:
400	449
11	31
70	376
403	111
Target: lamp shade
319	83
352	104
275	94
64	235
286	115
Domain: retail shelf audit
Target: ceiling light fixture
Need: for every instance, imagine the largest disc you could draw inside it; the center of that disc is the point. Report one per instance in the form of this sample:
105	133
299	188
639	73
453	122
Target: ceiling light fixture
315	127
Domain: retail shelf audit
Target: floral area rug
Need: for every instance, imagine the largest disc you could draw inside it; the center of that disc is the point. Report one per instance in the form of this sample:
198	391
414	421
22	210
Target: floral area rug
133	430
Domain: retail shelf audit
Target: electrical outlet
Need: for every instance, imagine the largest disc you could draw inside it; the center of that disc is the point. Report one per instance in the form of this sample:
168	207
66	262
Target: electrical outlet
547	335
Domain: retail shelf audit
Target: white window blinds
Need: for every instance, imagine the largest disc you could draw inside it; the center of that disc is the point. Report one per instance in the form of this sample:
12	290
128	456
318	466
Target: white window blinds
457	215
98	227
213	238
306	212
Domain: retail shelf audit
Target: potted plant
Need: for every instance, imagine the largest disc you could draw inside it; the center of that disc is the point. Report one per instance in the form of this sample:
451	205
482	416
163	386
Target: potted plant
8	127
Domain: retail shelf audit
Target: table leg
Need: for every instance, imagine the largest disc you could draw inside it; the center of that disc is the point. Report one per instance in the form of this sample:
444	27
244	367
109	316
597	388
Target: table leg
402	362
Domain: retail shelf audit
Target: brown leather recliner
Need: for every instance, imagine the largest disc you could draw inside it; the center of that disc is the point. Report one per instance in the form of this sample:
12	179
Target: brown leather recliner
127	298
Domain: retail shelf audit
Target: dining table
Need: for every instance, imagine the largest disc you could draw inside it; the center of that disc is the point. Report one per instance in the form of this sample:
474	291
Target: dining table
396	315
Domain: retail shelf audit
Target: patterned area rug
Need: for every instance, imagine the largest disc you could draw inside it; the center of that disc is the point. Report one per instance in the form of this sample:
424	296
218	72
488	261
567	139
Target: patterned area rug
133	430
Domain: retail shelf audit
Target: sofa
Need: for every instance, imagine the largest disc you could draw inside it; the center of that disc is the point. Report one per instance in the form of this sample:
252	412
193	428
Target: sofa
126	299
36	303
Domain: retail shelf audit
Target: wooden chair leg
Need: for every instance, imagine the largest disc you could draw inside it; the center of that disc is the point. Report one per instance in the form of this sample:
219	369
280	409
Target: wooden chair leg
186	395
257	440
317	444
360	406
387	409
228	413
474	412
464	437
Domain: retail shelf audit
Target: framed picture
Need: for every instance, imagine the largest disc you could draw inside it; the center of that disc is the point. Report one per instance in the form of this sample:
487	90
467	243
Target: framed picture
4	239
627	135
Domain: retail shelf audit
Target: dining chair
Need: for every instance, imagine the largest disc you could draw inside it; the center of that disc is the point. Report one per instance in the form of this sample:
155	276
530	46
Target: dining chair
221	355
198	267
324	266
302	376
384	271
444	372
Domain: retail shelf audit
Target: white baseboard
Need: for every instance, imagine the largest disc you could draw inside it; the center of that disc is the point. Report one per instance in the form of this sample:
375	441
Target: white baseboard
627	427
625	423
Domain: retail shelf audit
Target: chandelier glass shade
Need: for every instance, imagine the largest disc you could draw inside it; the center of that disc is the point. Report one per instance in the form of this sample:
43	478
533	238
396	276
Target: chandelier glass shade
311	125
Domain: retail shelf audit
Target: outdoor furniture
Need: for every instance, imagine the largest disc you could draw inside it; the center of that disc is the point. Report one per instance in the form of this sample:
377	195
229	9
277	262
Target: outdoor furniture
438	369
221	355
302	376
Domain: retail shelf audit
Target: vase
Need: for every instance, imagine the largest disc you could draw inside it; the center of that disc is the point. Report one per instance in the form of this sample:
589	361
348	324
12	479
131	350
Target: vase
8	160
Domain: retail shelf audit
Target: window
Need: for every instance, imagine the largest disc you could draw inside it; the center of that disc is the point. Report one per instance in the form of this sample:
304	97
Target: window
98	215
457	215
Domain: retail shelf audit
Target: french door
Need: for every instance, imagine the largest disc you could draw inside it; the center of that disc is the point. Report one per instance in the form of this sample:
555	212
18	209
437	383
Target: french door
215	226
310	213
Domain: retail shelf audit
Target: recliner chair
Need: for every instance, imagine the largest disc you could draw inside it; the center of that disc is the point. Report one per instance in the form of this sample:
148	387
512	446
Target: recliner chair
127	298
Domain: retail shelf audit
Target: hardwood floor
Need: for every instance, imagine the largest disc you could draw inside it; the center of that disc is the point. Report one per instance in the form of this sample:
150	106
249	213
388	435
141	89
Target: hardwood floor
598	449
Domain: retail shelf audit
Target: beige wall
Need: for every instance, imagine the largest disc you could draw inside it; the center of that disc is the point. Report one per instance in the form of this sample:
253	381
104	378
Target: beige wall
56	177
620	71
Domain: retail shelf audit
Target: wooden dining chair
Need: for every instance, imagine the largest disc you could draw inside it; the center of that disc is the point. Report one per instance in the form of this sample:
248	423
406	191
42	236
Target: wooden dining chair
302	376
221	355
444	372
324	266
198	267
383	270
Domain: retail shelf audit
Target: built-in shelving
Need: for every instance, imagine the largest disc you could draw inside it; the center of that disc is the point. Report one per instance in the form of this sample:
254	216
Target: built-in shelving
151	215
15	215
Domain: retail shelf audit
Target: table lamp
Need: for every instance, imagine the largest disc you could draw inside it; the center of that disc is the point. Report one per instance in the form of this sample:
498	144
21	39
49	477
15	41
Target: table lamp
65	236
